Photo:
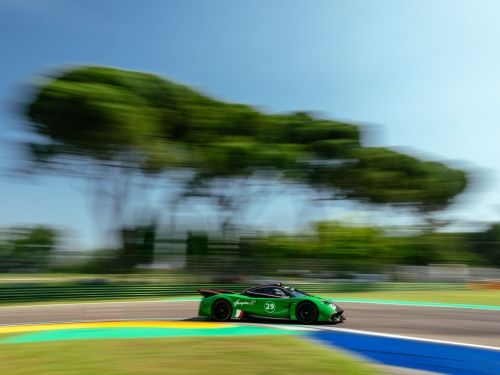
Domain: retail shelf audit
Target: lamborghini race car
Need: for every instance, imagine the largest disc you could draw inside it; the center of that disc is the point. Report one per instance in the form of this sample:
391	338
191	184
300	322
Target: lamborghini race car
270	301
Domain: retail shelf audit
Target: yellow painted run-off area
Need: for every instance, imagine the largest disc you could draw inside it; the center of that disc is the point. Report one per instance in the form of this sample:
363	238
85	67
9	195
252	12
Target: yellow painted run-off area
18	334
124	324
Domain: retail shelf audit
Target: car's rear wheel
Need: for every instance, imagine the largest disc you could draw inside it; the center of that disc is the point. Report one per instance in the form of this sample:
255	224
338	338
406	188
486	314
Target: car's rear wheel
307	313
221	311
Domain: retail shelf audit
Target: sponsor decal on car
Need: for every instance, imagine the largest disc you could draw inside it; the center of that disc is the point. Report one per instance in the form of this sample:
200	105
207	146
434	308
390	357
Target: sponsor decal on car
244	303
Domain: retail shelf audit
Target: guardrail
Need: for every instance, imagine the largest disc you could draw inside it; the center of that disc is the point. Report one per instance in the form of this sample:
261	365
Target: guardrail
46	292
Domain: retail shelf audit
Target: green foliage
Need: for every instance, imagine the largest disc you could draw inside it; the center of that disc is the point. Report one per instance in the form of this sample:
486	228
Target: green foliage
26	248
364	248
344	247
487	245
383	176
197	248
102	261
110	124
106	115
139	120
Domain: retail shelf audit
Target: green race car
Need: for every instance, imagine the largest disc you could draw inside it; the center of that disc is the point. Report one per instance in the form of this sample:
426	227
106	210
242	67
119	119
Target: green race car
270	301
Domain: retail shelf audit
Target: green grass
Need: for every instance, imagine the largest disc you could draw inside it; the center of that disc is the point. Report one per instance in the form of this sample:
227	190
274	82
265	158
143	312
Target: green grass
100	300
181	356
57	278
475	297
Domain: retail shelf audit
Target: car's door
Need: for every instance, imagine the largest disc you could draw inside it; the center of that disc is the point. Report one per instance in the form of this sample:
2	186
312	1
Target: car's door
246	302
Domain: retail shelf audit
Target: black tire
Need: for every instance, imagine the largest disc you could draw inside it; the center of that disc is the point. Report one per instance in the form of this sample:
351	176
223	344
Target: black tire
222	311
307	313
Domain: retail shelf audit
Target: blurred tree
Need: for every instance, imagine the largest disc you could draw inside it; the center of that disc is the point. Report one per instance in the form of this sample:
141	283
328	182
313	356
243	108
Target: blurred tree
116	127
105	125
112	126
27	249
344	247
487	244
384	176
196	250
340	246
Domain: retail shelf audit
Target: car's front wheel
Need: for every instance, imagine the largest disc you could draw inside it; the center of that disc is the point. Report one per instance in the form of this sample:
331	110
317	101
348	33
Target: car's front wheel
221	311
307	312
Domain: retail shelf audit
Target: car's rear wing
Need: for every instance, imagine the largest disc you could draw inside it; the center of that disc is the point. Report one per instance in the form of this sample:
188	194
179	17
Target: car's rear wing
209	292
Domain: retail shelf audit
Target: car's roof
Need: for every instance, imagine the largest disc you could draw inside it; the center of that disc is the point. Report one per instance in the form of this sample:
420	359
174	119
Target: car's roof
279	284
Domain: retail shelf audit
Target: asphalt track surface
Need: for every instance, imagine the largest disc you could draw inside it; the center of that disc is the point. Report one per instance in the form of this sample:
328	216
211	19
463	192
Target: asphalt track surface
479	327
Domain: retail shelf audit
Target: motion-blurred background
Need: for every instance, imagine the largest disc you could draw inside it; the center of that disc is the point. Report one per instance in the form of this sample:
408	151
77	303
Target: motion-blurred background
180	144
149	149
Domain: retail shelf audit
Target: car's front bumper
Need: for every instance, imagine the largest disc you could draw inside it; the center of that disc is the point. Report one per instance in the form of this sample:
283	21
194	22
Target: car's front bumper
337	316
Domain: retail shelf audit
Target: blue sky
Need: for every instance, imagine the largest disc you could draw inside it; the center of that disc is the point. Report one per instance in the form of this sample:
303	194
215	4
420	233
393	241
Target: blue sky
421	75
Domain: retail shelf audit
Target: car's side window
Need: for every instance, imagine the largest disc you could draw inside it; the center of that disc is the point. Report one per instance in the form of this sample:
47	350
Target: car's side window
279	292
275	292
259	290
255	292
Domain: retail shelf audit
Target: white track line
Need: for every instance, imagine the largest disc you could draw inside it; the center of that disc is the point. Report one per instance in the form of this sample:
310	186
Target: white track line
298	328
390	335
284	327
287	327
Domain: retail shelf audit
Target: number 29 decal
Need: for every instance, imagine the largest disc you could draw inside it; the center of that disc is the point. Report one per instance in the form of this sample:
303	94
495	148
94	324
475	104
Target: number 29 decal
269	306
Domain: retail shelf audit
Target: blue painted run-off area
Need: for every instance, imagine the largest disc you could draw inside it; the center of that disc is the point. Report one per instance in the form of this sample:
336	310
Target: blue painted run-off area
422	355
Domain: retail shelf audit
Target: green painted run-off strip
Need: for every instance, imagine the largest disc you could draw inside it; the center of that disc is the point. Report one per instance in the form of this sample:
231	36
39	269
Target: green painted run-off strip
418	303
135	333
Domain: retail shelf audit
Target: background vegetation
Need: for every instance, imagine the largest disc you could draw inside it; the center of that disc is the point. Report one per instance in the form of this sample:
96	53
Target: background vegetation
129	135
